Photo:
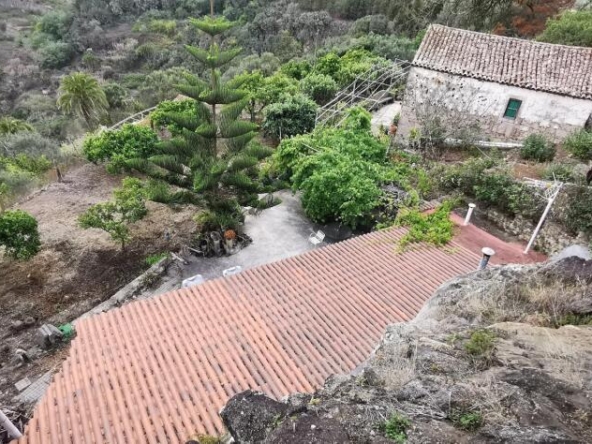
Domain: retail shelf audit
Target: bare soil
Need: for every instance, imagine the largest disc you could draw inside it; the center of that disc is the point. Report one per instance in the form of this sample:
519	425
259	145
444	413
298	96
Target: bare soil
76	269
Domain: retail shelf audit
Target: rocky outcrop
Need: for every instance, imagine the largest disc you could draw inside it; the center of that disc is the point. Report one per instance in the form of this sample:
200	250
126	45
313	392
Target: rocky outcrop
501	355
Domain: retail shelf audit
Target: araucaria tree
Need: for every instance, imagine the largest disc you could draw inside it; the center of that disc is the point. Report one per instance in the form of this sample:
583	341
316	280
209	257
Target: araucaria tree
213	155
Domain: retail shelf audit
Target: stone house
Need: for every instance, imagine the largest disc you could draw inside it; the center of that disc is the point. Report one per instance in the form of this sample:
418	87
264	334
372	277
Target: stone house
497	88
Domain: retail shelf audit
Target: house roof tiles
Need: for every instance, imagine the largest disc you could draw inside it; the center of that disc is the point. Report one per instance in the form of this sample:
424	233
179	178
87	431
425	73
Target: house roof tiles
565	70
159	370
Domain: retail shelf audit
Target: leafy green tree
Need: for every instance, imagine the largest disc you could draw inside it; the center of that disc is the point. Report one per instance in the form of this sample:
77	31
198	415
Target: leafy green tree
338	170
319	87
119	146
291	116
10	125
80	94
571	28
114	217
19	234
160	117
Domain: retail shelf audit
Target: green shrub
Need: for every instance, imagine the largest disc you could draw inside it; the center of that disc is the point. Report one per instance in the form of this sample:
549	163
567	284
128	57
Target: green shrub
559	171
119	146
395	428
338	170
56	55
296	69
116	94
30	143
19	234
578	215
292	116
435	228
114	217
161	116
167	27
466	420
538	147
91	61
481	343
321	88
55	23
580	144
24	162
570	28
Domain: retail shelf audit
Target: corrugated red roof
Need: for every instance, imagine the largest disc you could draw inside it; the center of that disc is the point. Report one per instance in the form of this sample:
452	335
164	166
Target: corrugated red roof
159	370
528	64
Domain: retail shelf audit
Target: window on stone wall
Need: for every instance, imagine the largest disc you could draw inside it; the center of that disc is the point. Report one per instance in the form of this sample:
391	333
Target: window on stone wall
512	109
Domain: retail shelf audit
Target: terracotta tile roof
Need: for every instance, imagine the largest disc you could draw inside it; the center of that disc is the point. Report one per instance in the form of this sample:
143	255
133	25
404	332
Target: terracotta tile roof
528	64
159	370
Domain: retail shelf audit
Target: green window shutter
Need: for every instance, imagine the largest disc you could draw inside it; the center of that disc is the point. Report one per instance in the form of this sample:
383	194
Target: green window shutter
512	109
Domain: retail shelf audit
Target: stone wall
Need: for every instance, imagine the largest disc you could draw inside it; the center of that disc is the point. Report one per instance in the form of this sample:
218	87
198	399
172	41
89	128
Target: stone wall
461	101
552	238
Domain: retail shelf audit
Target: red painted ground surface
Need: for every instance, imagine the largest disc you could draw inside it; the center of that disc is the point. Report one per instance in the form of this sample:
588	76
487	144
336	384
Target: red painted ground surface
474	239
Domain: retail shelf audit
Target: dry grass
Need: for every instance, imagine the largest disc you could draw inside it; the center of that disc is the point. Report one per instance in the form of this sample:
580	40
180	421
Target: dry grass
393	365
531	301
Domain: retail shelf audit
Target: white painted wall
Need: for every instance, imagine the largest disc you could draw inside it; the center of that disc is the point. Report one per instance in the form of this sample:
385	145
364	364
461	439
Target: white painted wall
541	112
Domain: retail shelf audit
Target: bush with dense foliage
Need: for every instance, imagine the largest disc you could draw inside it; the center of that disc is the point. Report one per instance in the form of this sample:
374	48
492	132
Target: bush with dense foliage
30	143
538	147
10	125
559	171
338	170
56	55
321	88
19	234
492	187
119	146
293	115
180	109
570	28
580	144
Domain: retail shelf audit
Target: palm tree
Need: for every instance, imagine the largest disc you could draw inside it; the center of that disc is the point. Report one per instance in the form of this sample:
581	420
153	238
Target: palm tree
10	125
80	94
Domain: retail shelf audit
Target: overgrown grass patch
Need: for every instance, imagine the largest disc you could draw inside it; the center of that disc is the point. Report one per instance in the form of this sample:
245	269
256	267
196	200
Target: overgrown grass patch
469	420
395	428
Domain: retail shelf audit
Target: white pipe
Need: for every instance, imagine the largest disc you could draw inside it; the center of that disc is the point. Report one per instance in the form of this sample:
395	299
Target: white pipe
13	432
540	225
469	214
